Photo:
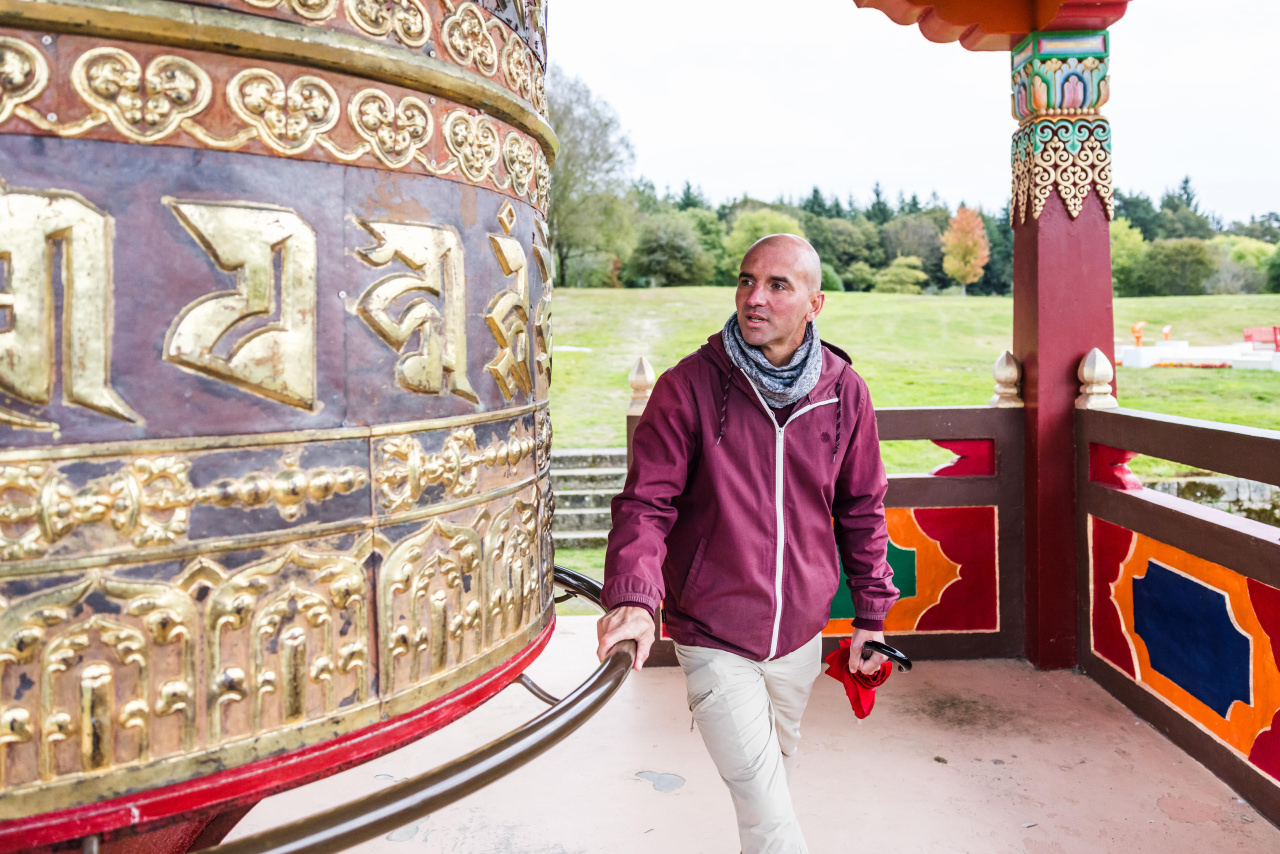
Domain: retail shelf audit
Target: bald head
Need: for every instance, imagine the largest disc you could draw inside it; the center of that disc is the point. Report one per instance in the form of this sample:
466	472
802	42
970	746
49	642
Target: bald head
797	253
779	293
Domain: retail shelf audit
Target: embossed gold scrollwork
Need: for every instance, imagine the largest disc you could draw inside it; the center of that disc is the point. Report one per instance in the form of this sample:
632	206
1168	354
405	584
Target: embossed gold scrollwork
273	630
148	501
547	545
543	344
473	145
518	155
277	361
394	131
314	10
542	181
406	18
543	434
539	89
429	568
435	253
466	36
406	469
15	728
517	67
147	105
85	664
289	490
287	118
24	74
509	570
508	313
31	222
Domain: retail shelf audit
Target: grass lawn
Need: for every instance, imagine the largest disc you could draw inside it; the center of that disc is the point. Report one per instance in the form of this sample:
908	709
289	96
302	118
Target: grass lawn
588	562
912	351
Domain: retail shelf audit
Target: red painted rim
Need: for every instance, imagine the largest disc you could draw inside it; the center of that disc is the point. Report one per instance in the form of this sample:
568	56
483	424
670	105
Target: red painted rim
251	783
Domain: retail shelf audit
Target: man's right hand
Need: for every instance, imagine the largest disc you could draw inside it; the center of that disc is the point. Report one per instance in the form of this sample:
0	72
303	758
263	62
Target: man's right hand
627	622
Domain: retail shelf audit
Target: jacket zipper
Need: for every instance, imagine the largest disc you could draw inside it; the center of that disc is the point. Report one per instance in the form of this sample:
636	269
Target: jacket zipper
779	461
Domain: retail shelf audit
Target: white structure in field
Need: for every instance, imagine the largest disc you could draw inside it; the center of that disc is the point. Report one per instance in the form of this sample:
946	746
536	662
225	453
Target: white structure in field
1246	355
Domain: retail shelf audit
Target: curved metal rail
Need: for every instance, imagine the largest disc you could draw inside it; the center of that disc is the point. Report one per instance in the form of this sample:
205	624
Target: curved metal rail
411	800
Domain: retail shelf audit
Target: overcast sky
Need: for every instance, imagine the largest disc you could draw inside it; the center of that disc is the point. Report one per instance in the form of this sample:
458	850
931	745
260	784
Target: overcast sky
772	97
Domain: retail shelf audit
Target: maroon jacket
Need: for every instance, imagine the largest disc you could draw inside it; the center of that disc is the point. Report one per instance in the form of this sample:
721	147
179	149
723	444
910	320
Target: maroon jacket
743	552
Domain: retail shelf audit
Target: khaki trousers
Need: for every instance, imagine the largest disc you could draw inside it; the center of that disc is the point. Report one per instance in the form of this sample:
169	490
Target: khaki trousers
748	713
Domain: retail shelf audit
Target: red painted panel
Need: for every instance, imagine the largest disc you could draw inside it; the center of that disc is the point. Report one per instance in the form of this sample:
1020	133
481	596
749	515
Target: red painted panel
1265	752
966	535
1111	545
974	457
1109	467
1266	604
251	783
1266	749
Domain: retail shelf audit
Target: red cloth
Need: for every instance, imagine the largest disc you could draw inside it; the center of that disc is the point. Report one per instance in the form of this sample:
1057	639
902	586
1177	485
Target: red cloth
860	688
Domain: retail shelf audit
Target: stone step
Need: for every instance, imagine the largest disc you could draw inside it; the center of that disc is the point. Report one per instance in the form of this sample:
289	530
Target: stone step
580	539
589	478
579	458
580	499
587	519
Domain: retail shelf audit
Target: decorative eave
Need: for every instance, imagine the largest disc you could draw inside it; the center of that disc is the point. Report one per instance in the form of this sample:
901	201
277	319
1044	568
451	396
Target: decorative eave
997	24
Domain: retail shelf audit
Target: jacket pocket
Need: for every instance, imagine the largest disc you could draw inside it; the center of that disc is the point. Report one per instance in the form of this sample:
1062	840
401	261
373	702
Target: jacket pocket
691	577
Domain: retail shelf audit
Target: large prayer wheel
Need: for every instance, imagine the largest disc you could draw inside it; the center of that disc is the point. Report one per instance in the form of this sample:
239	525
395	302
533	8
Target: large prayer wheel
274	359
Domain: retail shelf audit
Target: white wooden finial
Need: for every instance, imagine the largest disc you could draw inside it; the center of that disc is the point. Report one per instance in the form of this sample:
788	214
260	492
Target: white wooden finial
1095	375
1008	373
641	379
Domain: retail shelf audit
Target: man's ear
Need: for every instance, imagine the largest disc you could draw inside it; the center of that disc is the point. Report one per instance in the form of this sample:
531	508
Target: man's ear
816	301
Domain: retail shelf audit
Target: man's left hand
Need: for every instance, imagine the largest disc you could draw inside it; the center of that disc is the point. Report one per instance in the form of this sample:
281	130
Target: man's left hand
856	662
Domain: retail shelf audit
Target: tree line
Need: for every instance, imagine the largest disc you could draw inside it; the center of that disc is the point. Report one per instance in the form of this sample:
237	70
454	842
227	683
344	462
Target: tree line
1178	249
609	230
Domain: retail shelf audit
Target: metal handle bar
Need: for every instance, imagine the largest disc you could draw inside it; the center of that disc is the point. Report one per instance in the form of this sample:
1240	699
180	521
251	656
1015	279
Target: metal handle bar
411	800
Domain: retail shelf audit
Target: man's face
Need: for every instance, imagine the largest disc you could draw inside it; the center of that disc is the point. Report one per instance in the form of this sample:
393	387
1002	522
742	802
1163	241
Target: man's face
774	298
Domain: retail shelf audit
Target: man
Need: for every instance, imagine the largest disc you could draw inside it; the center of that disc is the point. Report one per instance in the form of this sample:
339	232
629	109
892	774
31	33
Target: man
756	463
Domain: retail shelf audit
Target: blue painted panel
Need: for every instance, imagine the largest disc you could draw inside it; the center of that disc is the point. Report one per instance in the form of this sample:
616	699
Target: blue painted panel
1190	637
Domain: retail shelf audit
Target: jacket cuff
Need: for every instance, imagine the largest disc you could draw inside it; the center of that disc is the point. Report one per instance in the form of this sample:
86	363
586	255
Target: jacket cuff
625	604
622	591
868	625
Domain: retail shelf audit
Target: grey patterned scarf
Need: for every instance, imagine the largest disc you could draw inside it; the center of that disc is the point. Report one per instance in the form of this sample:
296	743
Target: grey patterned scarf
778	386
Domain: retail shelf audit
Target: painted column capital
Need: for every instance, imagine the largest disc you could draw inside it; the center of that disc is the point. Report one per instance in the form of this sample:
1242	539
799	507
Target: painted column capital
1060	74
1063	144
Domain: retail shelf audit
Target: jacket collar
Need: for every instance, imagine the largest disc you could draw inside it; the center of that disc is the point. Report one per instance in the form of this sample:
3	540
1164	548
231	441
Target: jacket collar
834	360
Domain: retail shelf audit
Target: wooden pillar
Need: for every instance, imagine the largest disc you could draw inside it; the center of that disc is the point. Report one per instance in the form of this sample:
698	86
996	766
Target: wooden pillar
1061	212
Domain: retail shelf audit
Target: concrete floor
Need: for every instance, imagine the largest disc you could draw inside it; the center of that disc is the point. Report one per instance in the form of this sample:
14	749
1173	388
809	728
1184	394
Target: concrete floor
977	757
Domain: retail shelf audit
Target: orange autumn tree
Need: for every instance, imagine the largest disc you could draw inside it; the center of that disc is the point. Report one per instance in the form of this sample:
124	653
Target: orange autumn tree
965	248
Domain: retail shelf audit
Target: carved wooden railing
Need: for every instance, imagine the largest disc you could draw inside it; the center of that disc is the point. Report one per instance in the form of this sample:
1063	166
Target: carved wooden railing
1180	603
956	534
